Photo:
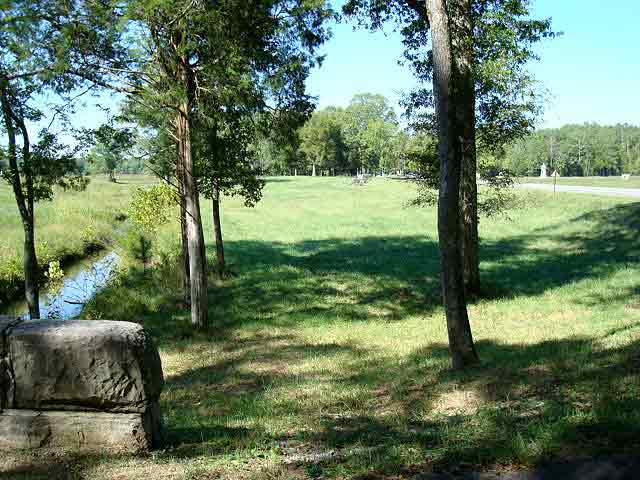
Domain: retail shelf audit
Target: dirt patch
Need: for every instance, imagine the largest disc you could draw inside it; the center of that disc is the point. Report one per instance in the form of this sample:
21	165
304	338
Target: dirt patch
458	402
162	471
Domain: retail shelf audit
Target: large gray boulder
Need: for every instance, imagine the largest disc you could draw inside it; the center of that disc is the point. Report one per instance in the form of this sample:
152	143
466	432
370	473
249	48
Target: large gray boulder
86	385
83	365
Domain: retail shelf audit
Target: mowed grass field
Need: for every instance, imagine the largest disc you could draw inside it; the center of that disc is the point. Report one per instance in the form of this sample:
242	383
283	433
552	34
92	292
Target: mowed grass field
67	228
607	182
327	353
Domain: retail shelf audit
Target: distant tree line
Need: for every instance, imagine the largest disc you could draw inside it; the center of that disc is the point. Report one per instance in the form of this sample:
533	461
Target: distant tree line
577	150
112	158
364	137
367	137
127	165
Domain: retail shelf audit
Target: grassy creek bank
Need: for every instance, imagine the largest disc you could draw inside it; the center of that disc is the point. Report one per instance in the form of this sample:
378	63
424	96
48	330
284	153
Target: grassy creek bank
64	298
72	227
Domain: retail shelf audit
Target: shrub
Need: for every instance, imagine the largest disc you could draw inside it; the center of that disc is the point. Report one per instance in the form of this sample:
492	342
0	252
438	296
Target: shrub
149	209
138	246
54	273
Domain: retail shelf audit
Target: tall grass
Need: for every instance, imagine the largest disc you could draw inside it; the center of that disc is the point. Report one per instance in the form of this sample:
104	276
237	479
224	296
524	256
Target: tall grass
70	227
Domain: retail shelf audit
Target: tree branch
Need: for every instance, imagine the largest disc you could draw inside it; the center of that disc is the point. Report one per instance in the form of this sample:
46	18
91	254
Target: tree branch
419	7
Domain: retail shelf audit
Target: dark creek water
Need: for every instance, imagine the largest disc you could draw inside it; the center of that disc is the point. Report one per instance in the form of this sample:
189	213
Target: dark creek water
81	282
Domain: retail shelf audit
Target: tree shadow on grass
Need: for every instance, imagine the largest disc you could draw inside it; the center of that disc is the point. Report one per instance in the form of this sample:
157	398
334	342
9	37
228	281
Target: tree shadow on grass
278	179
333	279
393	277
384	278
380	416
527	404
239	385
544	259
360	415
53	464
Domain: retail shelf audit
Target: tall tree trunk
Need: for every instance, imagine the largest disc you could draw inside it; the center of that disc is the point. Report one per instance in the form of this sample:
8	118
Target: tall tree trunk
450	151
25	205
462	44
195	235
313	172
31	269
217	228
186	283
470	237
186	277
31	277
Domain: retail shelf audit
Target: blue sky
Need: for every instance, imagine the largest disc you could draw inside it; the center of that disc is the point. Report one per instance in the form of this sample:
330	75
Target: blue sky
592	71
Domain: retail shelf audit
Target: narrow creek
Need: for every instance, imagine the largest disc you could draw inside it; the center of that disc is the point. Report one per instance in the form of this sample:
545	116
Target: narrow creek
81	282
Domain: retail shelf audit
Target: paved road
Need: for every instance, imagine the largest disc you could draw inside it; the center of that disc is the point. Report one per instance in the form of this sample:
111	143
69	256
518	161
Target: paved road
605	191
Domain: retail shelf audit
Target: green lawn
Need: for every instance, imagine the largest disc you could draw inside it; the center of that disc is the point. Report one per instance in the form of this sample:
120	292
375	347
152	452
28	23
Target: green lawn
327	353
67	228
609	182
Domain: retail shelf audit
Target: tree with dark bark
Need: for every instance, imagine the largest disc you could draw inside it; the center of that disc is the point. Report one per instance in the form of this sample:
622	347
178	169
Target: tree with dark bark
507	98
156	142
206	59
58	50
253	85
167	87
452	29
228	169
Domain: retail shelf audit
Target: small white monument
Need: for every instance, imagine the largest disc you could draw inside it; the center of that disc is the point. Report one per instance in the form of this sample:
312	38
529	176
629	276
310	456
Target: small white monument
543	171
555	174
